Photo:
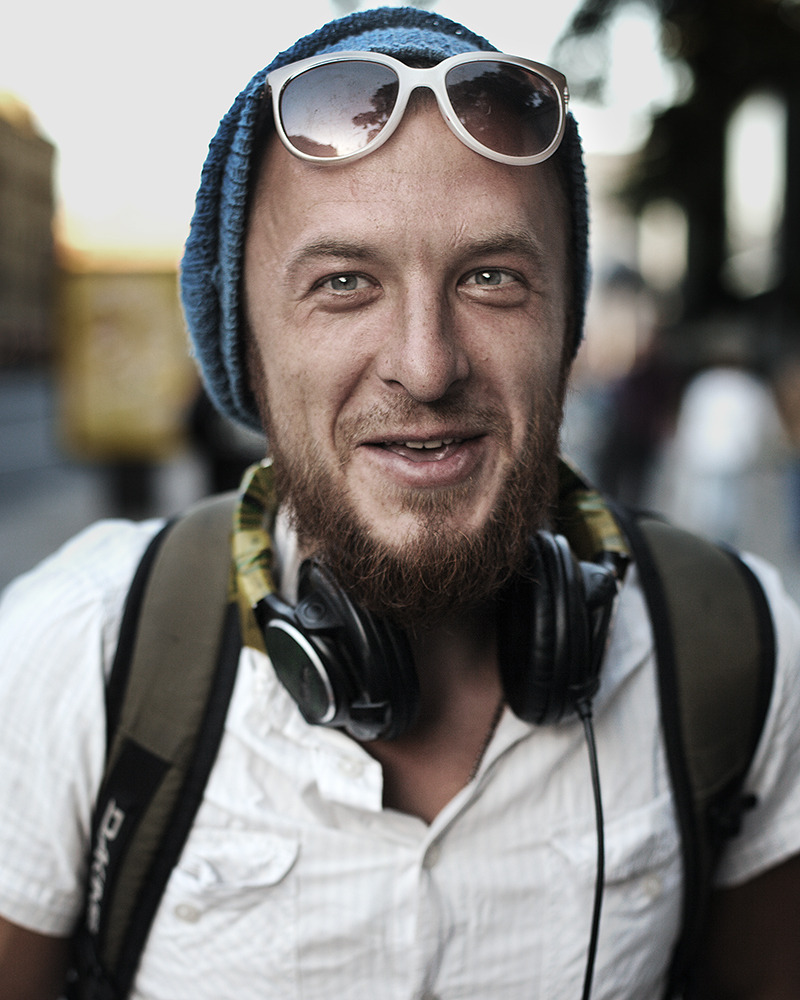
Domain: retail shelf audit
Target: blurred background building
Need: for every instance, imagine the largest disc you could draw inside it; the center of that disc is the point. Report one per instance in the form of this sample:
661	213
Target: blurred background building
27	207
696	318
686	394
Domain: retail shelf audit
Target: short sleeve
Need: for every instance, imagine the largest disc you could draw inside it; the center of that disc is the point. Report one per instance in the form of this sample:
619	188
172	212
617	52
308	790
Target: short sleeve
771	830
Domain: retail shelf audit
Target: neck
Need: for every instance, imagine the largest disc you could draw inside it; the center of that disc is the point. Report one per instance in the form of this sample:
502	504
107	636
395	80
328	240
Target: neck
456	656
460	693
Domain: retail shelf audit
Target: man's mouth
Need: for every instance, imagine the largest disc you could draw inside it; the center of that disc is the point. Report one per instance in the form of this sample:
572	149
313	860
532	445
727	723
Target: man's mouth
431	445
428	449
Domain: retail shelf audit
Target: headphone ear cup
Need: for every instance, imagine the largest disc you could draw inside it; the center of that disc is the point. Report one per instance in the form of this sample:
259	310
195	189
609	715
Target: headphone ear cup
341	665
368	661
544	633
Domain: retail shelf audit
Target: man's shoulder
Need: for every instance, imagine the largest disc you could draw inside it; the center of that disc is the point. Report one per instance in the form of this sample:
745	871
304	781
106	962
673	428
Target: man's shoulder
785	603
87	577
684	561
102	551
782	599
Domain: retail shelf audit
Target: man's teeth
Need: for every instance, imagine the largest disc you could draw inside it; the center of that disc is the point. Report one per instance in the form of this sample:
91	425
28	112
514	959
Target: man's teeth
431	445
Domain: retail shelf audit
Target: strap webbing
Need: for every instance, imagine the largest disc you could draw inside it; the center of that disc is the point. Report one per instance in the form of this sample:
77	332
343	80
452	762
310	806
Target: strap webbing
170	686
716	653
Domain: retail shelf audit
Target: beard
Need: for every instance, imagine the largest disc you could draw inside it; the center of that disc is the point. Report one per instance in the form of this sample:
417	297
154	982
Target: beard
419	583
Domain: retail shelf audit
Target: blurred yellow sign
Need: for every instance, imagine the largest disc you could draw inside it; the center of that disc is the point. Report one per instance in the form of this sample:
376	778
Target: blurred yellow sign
125	373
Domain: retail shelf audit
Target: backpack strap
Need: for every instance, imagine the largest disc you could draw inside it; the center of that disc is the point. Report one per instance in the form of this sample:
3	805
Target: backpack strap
167	699
715	650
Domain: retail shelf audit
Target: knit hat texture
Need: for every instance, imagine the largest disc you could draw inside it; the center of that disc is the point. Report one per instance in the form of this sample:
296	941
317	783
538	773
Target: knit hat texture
211	270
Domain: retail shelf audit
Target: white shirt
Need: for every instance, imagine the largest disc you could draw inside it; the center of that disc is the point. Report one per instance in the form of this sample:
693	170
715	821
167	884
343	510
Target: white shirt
295	883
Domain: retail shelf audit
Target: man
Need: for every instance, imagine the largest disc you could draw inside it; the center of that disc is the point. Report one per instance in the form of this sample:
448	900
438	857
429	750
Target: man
402	317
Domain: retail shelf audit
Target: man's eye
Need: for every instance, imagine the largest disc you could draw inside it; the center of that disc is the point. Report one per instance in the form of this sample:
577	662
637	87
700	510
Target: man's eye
343	283
490	277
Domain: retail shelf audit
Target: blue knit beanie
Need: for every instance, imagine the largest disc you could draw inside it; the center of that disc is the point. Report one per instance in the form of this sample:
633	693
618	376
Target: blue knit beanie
212	262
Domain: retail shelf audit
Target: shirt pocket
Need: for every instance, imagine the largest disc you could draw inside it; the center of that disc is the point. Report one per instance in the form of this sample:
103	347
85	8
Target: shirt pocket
231	868
642	851
642	901
640	906
226	924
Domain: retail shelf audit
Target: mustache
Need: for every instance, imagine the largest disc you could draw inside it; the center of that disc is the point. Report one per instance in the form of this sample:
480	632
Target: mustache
388	418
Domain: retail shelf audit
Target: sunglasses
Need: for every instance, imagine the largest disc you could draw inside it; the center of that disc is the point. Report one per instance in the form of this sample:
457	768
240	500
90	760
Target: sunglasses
342	105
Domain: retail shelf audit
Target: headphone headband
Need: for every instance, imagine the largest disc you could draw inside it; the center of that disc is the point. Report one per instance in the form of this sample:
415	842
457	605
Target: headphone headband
251	542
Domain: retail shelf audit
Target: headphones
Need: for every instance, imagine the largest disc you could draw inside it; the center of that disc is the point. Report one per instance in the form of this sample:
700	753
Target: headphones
347	668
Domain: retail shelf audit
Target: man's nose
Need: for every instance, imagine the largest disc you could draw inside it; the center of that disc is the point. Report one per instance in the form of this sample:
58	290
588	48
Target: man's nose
423	352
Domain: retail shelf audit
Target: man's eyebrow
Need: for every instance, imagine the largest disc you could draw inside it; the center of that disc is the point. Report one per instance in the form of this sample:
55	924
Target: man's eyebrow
520	243
330	247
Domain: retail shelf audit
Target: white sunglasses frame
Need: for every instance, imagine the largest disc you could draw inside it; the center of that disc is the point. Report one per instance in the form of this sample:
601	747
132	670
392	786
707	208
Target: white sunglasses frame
409	79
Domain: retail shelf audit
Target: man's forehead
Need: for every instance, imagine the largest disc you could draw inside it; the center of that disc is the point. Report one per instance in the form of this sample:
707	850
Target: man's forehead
423	179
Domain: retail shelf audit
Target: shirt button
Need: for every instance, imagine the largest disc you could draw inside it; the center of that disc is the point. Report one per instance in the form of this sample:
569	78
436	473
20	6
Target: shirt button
184	911
351	768
653	886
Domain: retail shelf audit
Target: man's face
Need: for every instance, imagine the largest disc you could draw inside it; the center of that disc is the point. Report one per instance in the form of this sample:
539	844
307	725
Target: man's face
409	312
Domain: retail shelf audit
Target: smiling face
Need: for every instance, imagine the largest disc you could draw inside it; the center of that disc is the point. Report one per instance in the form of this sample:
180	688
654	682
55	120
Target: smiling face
408	313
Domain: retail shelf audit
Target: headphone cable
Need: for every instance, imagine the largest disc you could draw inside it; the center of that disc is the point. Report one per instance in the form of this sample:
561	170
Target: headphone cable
583	706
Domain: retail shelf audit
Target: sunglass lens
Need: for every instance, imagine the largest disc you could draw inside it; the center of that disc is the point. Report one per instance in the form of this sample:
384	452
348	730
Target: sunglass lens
508	108
339	108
